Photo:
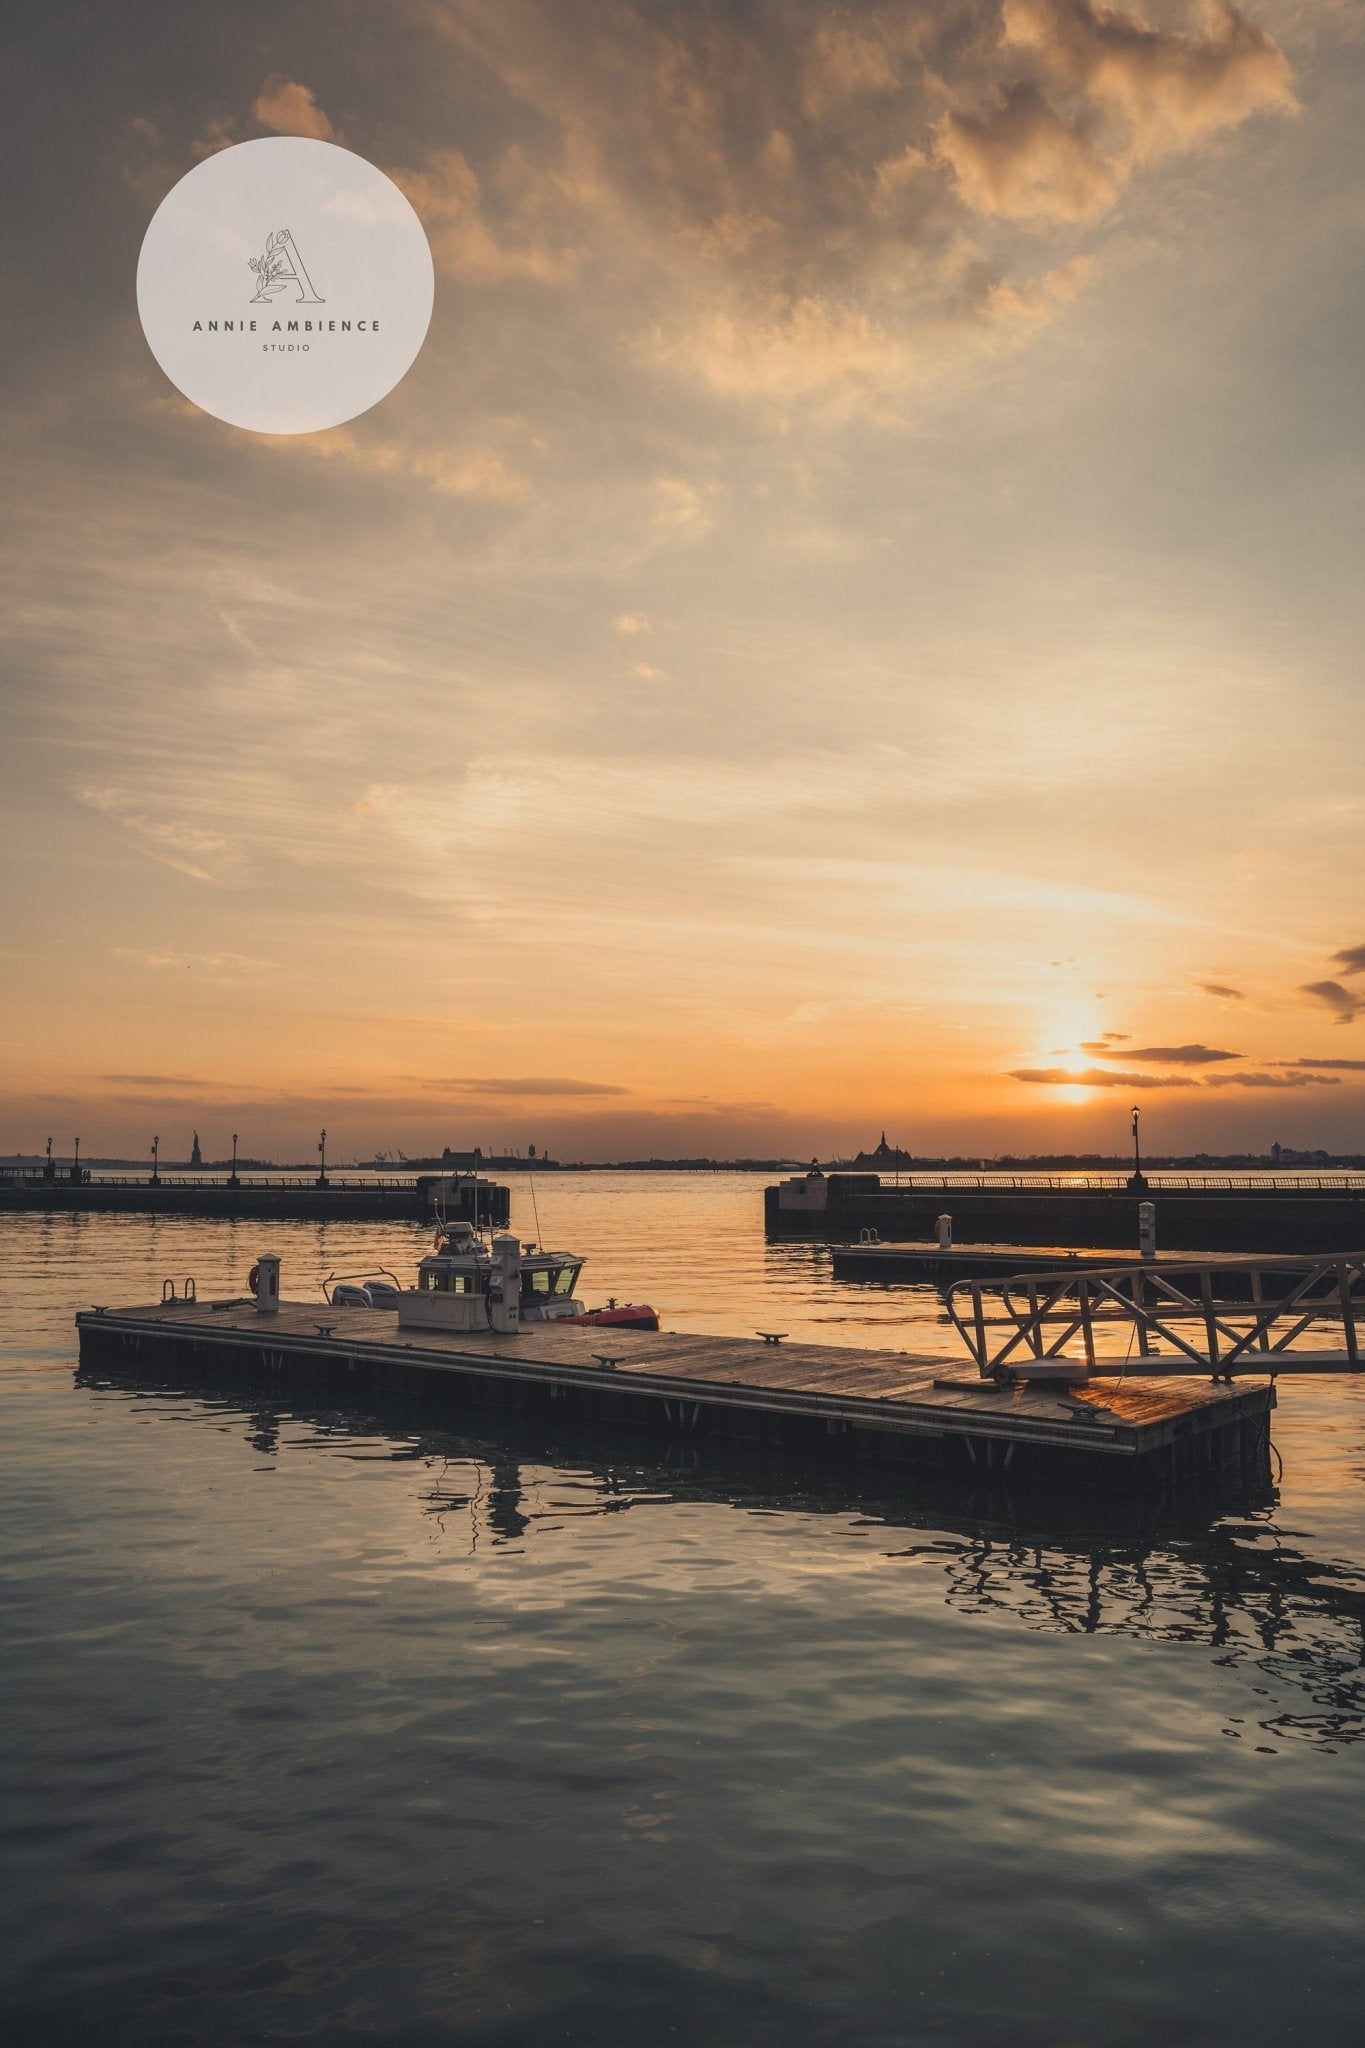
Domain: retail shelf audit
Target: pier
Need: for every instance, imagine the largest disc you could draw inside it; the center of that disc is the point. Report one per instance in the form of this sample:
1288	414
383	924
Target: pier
886	1265
875	1404
362	1199
1248	1214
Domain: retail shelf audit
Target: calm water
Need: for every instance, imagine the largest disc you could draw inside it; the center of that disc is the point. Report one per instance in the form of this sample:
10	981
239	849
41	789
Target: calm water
330	1725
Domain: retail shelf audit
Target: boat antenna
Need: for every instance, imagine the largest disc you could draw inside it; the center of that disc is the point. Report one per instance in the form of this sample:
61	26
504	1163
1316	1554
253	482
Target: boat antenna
535	1208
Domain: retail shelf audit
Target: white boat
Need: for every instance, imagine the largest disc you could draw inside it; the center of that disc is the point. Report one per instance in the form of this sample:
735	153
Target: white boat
470	1283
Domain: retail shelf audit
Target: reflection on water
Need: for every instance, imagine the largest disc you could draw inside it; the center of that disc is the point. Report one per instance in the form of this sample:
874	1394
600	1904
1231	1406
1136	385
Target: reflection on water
338	1723
1096	1568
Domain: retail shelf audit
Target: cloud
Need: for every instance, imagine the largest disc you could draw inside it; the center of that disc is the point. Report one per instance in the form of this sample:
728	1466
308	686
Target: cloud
291	109
449	197
631	623
646	672
1221	990
1337	1066
680	506
1025	161
458	472
1170	88
229	964
1263	1080
1351	960
784	202
1132	94
153	1081
1165	1055
1098	1077
1342	1002
534	1085
191	849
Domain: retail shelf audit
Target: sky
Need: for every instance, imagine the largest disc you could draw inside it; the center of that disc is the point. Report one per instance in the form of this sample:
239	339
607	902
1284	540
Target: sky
852	621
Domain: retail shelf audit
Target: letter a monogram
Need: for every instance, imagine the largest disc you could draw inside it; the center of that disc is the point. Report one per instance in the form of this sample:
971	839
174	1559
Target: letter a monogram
282	265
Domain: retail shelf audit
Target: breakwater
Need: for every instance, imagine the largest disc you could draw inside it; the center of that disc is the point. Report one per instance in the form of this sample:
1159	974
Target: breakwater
1230	1216
359	1200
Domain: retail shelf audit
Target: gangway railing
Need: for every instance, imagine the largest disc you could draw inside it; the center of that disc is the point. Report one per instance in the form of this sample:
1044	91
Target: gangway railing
1221	1318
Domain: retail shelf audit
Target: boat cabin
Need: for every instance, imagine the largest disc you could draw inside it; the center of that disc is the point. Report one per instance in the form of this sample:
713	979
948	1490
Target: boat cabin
460	1282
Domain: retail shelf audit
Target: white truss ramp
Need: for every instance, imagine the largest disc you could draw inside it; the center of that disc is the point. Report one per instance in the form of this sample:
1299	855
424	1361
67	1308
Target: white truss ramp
1224	1318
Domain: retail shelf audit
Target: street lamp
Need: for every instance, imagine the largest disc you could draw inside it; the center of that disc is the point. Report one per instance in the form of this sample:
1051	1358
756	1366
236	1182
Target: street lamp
232	1182
1137	1179
156	1177
322	1155
47	1170
76	1169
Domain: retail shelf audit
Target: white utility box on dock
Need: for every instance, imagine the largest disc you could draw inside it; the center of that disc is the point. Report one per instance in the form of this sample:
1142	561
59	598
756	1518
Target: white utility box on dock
265	1284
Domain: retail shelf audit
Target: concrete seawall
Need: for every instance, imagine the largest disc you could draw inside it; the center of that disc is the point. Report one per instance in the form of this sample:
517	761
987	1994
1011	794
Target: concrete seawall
262	1200
1290	1219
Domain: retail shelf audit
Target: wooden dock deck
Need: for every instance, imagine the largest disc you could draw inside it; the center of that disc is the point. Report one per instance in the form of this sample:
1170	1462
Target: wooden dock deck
886	1402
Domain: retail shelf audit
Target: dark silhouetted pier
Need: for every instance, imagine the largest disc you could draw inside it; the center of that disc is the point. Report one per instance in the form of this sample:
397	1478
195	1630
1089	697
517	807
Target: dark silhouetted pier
1250	1214
363	1198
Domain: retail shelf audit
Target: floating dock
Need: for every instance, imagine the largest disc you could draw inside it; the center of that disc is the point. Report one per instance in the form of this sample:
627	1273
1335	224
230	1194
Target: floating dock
1247	1215
931	1265
877	1403
363	1199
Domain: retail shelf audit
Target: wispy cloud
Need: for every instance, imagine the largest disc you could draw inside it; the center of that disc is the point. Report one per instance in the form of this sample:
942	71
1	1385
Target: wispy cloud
227	965
1161	1055
534	1085
1334	1066
1344	1003
1260	1079
1098	1077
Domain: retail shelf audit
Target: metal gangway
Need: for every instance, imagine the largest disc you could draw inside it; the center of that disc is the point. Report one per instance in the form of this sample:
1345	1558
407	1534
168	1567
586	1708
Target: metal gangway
1222	1318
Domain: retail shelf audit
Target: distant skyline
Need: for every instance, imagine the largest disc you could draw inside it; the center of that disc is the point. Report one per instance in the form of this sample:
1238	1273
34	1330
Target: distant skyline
853	620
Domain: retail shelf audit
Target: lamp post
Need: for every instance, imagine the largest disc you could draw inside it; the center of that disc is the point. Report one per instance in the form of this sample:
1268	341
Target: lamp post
76	1168
232	1178
48	1169
156	1176
1137	1179
322	1156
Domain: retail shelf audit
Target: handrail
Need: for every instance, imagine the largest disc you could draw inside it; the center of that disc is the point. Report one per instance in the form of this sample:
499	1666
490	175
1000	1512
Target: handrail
1221	1318
1345	1181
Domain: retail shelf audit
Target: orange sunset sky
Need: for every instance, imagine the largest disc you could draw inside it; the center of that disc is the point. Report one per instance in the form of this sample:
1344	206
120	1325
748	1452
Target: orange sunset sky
853	619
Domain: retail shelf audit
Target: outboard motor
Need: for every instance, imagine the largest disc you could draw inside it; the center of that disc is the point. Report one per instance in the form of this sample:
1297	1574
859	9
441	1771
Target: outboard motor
504	1285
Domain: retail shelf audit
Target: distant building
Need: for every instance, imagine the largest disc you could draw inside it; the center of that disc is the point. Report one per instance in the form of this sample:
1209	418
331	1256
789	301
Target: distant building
885	1159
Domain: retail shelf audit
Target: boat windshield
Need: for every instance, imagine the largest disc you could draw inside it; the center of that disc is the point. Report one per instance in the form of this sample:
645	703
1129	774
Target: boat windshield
550	1279
439	1277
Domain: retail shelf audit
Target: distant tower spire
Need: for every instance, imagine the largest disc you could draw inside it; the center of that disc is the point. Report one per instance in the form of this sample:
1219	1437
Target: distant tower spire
196	1158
